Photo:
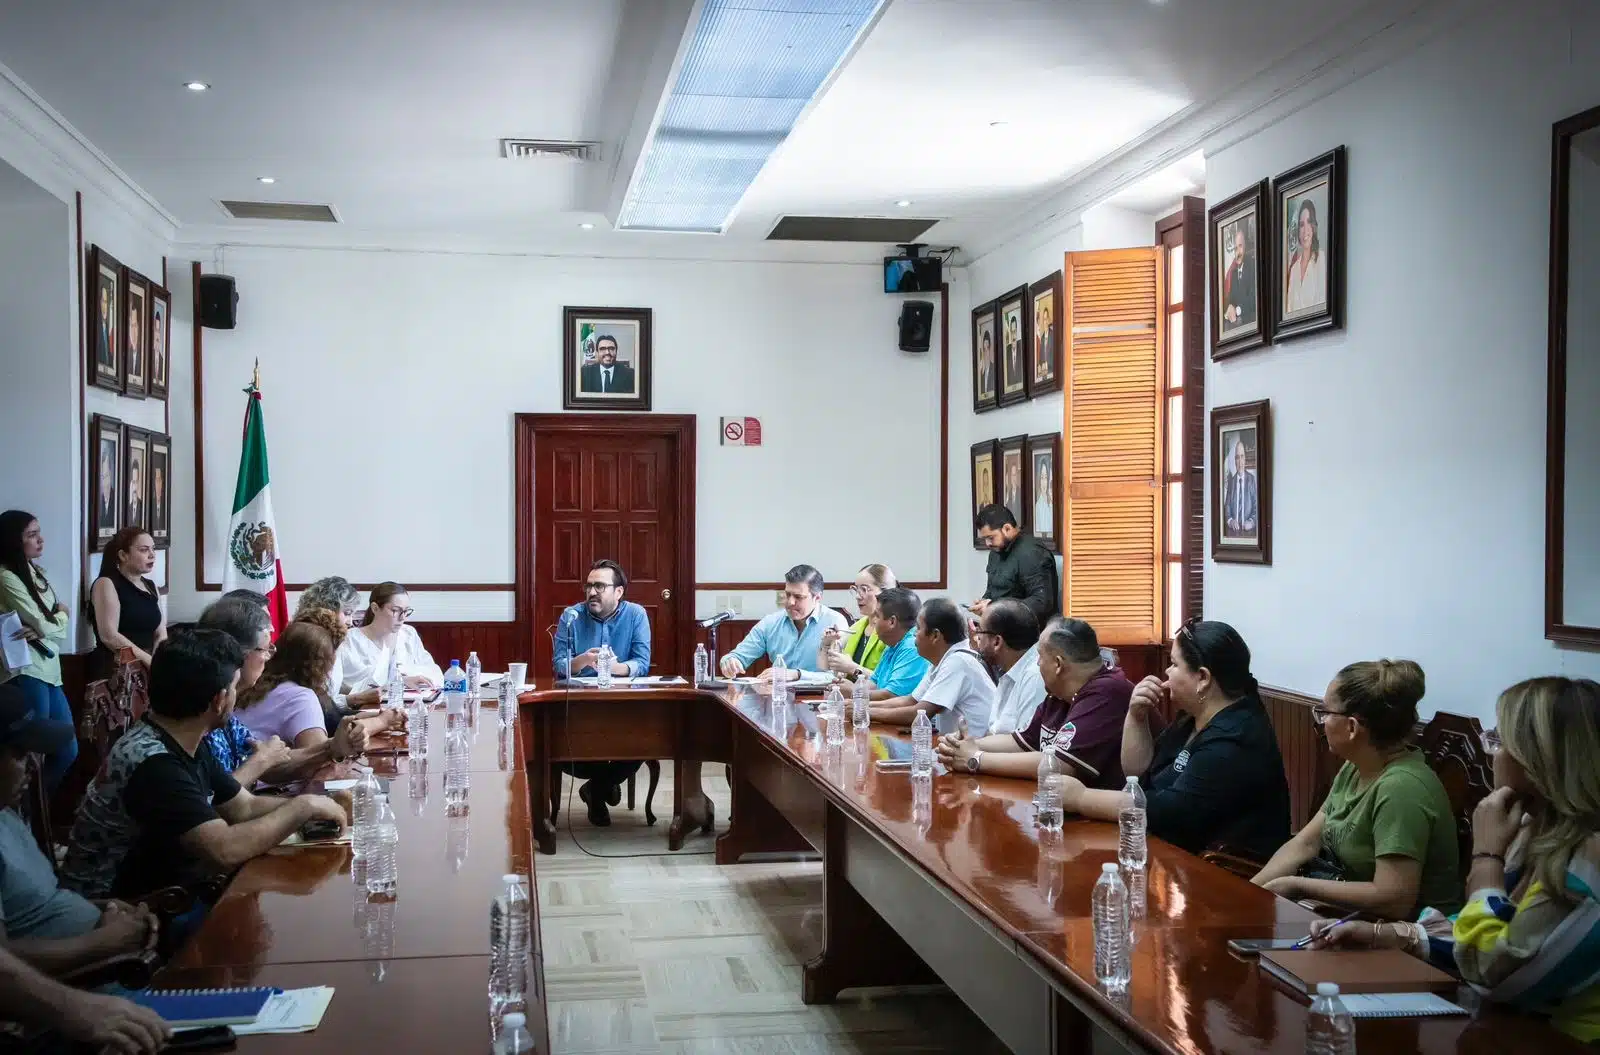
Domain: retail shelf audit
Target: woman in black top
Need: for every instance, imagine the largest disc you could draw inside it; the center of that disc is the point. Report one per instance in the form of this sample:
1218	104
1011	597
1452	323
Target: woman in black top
1215	775
126	605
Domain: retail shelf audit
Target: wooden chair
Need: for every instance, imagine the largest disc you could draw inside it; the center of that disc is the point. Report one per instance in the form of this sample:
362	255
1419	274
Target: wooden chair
1453	746
114	703
557	777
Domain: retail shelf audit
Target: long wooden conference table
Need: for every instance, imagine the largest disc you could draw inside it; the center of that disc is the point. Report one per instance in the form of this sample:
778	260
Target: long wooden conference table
948	881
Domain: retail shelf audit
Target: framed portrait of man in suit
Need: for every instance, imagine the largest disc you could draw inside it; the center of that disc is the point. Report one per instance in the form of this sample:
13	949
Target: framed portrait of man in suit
135	334
1014	318
158	519
985	459
1241	300
102	295
1241	483
105	484
985	361
136	478
606	358
159	342
1044	351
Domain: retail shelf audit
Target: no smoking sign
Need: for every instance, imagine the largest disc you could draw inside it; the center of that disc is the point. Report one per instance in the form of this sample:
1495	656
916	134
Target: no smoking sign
741	432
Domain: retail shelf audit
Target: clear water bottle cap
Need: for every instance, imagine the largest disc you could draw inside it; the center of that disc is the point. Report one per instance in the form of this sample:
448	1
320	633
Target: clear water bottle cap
1327	988
511	878
1110	866
514	1020
1133	782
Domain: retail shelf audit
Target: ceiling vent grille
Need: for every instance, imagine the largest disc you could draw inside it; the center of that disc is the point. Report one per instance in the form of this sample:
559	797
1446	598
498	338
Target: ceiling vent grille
533	149
889	230
280	210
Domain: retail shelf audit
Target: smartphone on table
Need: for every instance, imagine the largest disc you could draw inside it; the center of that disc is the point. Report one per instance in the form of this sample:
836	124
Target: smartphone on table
1257	946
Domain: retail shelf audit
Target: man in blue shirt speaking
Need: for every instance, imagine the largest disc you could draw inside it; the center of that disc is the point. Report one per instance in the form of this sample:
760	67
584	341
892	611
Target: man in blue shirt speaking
794	633
603	618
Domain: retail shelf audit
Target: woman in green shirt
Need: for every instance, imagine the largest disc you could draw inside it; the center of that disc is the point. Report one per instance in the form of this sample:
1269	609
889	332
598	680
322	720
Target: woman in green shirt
1385	839
858	647
25	591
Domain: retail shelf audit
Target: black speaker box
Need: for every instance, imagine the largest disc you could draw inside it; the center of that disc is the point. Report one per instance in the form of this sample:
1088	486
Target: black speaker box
916	326
219	302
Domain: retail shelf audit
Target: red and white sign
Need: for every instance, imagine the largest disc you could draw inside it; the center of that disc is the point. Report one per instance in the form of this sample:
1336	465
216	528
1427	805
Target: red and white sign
741	432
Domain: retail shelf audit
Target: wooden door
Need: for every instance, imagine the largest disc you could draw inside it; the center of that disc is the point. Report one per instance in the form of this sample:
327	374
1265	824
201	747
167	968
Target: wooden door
617	487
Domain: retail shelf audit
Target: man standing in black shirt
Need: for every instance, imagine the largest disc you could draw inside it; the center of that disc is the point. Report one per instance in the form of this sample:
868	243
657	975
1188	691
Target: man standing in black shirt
1019	566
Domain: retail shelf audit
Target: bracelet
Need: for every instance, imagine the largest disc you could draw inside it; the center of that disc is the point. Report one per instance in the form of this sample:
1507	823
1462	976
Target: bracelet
1489	856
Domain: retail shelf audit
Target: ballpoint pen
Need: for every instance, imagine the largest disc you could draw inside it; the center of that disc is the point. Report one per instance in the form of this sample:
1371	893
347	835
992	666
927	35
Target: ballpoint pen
1309	938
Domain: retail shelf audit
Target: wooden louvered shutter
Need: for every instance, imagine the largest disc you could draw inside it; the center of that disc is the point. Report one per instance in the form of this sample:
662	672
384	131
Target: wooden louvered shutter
1112	443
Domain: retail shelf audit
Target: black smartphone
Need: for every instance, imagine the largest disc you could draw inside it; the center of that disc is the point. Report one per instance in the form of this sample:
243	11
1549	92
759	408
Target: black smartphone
211	1038
1256	946
314	830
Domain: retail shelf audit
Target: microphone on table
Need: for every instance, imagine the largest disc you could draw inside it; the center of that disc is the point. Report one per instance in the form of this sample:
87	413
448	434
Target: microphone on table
718	619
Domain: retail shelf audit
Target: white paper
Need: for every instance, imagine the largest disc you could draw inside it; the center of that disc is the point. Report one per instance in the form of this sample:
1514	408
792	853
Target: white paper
16	650
660	679
291	1011
339	785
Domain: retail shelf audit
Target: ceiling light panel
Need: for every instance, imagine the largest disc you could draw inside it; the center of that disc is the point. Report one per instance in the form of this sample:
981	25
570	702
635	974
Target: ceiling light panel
752	68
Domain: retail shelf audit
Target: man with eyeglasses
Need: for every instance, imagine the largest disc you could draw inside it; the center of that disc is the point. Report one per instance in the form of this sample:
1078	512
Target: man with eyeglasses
795	633
1008	639
603	618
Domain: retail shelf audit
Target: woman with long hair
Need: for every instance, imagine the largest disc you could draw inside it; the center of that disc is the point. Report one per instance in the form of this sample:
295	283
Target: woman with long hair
859	646
126	604
1213	775
335	707
290	699
1385	839
333	593
25	591
386	636
1529	935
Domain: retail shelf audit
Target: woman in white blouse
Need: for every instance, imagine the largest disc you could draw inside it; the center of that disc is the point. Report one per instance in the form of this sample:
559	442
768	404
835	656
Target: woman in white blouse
364	656
335	594
1306	282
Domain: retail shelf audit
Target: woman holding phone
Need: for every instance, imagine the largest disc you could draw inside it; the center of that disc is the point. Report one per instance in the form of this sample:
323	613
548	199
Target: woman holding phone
25	591
859	648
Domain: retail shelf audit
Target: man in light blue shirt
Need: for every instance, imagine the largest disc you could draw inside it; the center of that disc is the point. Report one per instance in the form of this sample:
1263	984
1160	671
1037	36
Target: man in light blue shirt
604	618
794	633
901	667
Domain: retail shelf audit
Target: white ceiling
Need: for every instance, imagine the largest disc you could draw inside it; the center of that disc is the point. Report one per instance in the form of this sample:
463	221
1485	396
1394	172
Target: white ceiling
392	112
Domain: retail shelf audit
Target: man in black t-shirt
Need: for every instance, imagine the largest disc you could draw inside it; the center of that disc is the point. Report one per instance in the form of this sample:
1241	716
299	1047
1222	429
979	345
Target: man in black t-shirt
163	811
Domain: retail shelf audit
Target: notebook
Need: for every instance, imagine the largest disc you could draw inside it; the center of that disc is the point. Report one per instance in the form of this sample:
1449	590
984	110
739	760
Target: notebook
198	1008
1354	970
1398	1005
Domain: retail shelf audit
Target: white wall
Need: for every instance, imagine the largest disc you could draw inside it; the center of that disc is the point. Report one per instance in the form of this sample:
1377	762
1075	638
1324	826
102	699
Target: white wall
1409	457
388	375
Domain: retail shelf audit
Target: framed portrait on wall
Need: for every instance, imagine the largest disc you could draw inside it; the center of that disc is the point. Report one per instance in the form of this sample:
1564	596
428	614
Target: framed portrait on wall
1241	303
1042	478
1015	323
1308	218
1241	483
984	459
135	332
606	357
985	362
1044	358
159	522
105	484
1013	480
136	477
159	341
102	308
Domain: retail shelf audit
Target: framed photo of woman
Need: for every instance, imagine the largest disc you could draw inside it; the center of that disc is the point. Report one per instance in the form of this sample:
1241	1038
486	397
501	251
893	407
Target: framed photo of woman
1241	302
1308	218
1042	476
1014	319
985	456
1044	351
985	361
1241	483
103	308
105	504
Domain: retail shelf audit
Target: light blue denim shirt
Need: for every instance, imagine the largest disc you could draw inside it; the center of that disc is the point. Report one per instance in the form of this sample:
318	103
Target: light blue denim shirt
776	636
627	632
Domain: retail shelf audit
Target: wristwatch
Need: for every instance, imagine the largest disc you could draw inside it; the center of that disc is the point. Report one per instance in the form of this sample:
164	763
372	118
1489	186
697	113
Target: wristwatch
974	761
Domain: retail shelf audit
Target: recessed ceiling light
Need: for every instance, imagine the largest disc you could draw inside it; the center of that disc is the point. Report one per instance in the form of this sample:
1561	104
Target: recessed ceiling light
266	179
904	203
587	226
197	86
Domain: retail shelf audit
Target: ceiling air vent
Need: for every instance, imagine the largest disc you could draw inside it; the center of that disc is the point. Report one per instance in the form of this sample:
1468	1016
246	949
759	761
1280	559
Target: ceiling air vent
531	149
280	210
889	230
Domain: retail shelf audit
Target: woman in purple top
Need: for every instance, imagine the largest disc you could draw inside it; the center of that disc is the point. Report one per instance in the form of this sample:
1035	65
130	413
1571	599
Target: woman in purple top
1081	718
289	698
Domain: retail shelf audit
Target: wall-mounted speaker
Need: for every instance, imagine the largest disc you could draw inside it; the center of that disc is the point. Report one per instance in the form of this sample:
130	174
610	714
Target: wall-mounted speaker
916	326
219	302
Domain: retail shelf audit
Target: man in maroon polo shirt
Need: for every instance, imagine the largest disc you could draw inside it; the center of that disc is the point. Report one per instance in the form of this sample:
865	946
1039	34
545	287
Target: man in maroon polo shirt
1081	717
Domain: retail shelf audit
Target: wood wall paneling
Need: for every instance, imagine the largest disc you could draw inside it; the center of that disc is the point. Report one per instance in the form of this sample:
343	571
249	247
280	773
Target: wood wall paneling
495	643
1307	762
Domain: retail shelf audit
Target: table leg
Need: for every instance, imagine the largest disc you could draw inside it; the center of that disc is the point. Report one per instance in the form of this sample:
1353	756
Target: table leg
755	825
536	752
691	807
859	949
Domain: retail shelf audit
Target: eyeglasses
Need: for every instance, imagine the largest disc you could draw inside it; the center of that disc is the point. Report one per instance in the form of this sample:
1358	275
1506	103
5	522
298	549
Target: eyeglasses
269	650
1321	714
596	587
1491	741
400	613
1187	631
984	633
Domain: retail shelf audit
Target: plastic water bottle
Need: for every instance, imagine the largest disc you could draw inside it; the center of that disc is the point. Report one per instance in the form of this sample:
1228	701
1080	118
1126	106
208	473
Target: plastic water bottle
1329	1030
780	681
1133	849
455	689
474	676
860	704
922	745
514	1036
507	711
1113	954
363	812
510	920
1047	796
834	703
702	665
394	693
382	875
602	667
457	770
417	729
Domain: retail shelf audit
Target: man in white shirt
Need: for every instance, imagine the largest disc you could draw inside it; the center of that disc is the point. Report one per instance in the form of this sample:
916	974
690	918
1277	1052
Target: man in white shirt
1009	640
958	685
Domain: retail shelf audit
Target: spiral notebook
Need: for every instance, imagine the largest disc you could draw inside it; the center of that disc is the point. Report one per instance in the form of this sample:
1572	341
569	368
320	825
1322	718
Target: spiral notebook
1399	1005
198	1008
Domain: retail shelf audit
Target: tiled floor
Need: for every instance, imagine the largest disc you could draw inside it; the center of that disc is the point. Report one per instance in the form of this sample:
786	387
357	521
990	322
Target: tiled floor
671	953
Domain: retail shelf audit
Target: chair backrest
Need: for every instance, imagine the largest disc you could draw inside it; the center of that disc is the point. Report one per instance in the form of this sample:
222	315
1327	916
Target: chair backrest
1453	746
36	807
113	704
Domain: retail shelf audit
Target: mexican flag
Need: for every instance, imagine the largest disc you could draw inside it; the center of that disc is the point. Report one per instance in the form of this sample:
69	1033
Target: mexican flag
253	562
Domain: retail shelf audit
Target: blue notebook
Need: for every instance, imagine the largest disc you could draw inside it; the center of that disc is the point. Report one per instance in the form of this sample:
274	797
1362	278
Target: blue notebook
198	1008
